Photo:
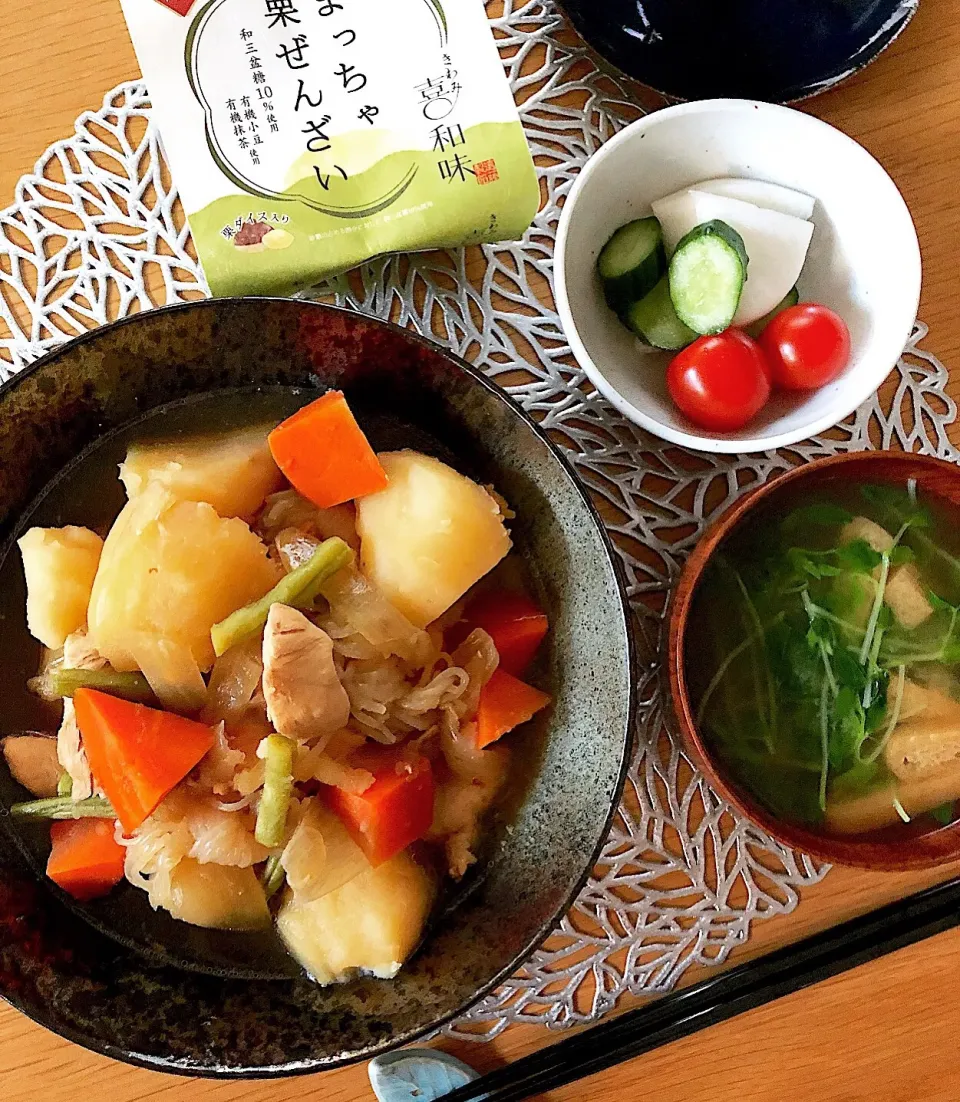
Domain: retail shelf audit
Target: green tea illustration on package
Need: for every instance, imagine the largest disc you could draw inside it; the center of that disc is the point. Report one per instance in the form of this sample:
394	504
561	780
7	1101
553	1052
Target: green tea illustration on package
306	136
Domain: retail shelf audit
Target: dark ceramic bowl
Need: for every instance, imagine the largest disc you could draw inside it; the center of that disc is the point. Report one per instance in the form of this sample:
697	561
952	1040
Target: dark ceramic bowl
775	50
116	977
880	850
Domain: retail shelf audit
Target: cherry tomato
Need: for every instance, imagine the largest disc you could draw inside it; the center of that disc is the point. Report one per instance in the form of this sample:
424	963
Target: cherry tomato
720	382
806	346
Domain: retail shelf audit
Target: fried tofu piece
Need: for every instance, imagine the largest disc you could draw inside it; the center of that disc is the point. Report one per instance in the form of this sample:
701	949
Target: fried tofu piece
923	747
862	528
906	597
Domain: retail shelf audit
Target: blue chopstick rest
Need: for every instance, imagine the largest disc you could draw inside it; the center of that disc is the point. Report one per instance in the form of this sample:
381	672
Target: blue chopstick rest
418	1075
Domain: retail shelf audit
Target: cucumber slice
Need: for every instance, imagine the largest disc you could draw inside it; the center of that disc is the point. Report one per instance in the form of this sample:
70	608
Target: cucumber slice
791	298
707	274
655	321
631	262
776	243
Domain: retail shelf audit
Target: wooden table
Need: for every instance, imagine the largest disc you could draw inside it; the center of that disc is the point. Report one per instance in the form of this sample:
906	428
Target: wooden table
887	1031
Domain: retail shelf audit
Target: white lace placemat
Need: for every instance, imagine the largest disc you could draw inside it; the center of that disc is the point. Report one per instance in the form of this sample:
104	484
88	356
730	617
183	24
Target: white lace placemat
97	233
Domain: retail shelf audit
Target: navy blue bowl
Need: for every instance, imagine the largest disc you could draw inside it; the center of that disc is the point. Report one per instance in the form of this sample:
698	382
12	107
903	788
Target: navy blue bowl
775	50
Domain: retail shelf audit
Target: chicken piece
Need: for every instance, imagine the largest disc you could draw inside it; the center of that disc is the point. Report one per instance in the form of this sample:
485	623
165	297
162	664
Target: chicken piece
305	699
906	597
71	755
32	761
79	653
458	808
862	528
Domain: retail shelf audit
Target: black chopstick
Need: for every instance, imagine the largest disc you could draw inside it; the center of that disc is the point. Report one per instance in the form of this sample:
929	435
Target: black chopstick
682	1013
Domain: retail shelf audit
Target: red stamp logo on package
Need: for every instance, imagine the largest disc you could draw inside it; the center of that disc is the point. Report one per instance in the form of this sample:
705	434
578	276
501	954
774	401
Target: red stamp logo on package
486	172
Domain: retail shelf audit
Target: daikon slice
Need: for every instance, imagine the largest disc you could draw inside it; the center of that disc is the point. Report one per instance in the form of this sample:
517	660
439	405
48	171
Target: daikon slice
677	214
761	194
776	243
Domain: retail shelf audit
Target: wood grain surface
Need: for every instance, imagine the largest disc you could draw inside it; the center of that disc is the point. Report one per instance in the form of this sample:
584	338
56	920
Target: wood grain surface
887	1031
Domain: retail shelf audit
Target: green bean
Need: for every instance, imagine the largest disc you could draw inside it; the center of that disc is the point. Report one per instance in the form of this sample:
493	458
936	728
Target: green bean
60	807
277	790
328	558
60	681
273	876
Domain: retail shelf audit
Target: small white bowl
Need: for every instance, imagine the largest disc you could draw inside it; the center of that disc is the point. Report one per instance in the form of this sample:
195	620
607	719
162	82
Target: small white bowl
864	259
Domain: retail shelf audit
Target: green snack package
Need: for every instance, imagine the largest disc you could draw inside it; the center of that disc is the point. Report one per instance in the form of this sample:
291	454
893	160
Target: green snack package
306	136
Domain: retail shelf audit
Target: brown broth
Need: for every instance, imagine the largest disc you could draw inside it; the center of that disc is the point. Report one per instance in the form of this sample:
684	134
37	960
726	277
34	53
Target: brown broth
89	493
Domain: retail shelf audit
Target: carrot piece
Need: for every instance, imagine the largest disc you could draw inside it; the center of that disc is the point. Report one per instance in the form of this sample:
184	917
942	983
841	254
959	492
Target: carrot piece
85	859
395	810
514	623
505	703
137	754
324	454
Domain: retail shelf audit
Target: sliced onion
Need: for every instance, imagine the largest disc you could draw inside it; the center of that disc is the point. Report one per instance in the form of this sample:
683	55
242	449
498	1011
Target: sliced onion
321	856
295	547
359	605
443	688
288	509
233	681
172	672
477	654
237	805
